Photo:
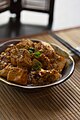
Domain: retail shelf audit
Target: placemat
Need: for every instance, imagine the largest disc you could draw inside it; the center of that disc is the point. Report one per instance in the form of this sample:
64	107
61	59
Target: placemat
72	36
61	102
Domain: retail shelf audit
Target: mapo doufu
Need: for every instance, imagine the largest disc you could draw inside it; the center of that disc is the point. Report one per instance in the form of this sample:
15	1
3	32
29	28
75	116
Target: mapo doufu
31	63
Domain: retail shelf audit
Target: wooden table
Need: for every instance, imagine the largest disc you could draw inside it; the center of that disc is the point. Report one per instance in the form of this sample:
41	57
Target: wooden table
60	102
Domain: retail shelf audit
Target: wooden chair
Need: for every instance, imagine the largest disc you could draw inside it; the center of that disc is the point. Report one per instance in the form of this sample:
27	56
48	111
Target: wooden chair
14	27
4	5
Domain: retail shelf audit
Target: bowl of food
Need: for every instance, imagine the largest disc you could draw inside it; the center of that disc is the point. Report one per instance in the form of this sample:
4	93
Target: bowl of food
32	64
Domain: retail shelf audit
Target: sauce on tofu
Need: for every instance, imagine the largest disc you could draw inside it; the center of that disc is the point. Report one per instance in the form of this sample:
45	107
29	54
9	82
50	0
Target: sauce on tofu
31	63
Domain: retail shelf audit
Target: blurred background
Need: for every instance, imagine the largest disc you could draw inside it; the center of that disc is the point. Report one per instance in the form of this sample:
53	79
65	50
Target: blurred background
65	15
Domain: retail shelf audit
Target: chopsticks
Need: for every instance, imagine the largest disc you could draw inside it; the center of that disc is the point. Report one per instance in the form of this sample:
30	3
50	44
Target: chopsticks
66	44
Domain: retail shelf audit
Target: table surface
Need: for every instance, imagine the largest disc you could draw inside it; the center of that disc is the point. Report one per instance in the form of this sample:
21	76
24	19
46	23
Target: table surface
61	102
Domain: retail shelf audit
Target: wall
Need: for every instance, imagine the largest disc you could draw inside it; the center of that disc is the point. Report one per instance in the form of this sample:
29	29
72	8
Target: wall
67	14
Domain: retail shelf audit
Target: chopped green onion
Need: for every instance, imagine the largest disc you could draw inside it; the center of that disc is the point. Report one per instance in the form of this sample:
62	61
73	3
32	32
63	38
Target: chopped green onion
37	54
31	50
36	65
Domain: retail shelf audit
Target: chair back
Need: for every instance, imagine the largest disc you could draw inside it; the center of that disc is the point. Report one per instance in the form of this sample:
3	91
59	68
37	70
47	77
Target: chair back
4	5
44	6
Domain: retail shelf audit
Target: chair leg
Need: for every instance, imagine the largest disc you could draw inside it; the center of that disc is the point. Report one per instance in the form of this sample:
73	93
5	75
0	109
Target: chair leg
15	7
51	13
50	22
18	16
